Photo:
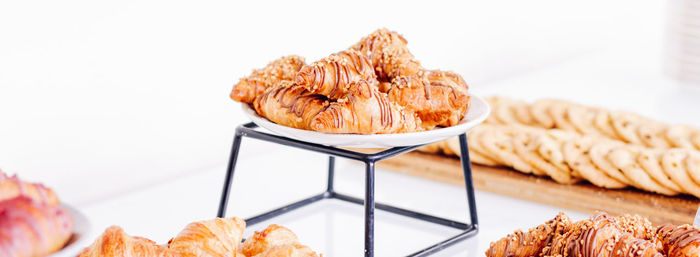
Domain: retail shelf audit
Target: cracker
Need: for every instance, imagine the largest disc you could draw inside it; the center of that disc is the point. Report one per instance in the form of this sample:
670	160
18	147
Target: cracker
452	145
598	154
603	125
540	113
695	139
433	148
557	110
673	164
550	147
476	153
624	159
679	136
494	102
582	118
504	113
653	134
498	143
650	161
521	111
576	156
625	125
446	150
693	165
526	147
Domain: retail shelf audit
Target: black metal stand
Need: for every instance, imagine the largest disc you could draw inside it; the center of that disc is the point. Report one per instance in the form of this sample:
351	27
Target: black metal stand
468	230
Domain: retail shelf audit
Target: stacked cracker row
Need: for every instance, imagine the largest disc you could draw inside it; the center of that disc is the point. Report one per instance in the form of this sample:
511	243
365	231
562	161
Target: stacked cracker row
624	126
570	155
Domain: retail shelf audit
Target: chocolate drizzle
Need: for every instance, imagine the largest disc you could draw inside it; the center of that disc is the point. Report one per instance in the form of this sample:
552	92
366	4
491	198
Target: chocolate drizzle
332	76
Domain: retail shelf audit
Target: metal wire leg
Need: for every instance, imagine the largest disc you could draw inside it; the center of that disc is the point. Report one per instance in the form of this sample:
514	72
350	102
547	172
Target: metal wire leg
229	175
369	209
331	174
467	169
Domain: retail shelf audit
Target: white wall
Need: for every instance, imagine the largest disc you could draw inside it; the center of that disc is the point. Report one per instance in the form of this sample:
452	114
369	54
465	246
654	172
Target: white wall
111	96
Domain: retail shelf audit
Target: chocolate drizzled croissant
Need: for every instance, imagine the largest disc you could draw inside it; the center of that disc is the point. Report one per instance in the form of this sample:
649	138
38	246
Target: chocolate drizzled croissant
532	242
681	241
365	110
389	54
332	76
599	236
440	98
290	105
279	70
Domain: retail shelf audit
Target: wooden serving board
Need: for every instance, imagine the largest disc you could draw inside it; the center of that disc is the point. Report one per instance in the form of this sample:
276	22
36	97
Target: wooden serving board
581	197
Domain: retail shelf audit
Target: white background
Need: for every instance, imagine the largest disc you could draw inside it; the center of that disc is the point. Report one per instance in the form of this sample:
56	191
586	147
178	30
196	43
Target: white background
122	107
111	96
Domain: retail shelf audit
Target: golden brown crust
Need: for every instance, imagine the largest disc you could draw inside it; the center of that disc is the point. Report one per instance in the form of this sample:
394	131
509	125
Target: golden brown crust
11	187
365	110
389	54
532	242
440	98
114	242
283	69
209	238
290	105
601	235
275	241
32	229
681	241
332	76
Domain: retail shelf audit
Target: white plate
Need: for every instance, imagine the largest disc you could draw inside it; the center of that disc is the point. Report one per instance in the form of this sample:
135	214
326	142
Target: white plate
80	238
477	113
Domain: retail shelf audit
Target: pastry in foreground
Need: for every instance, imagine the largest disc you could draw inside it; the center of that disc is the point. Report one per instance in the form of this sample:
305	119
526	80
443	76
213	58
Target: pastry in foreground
275	241
217	237
30	228
115	242
283	69
12	186
210	238
32	223
600	235
365	110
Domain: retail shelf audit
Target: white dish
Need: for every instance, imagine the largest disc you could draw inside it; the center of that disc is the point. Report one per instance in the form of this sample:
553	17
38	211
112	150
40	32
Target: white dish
80	238
477	113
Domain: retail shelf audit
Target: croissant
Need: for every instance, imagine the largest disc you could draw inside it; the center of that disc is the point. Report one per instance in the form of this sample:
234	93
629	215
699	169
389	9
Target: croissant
365	110
114	242
439	98
530	243
389	55
276	71
275	241
331	76
210	238
290	105
601	236
11	187
30	228
681	241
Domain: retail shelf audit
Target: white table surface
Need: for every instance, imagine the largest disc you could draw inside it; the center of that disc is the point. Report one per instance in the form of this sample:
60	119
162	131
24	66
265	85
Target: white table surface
122	108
